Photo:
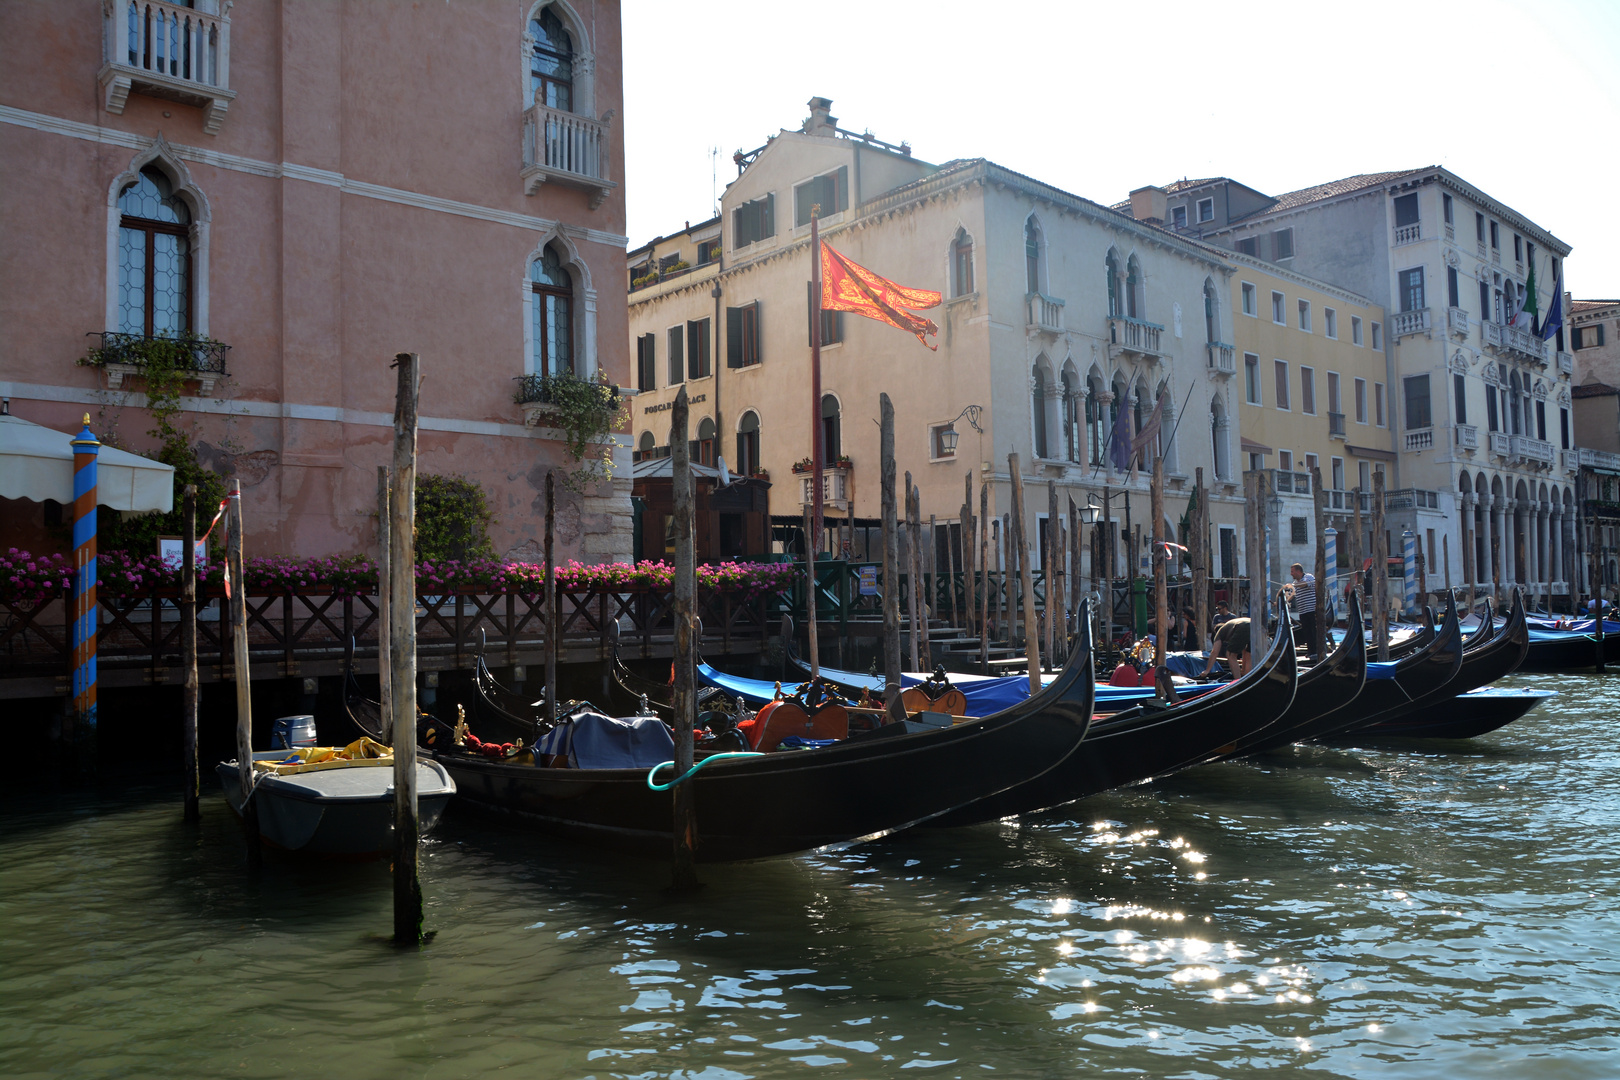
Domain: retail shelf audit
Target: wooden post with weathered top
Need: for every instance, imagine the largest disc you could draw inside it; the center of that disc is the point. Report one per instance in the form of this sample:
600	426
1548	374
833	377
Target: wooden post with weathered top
1032	640
1318	642
984	577
237	589
1380	546
1199	543
683	864
188	653
1161	562
385	664
891	562
402	652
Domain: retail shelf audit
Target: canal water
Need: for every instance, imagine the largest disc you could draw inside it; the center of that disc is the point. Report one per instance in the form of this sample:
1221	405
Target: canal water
1403	910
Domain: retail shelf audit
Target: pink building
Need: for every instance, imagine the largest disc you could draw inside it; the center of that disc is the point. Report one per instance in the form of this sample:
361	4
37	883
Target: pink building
319	186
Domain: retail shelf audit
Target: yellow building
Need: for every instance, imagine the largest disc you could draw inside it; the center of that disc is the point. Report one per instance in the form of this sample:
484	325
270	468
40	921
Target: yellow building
1314	387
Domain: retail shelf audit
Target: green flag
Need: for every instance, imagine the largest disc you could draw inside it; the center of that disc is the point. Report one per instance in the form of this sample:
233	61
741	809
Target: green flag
1531	307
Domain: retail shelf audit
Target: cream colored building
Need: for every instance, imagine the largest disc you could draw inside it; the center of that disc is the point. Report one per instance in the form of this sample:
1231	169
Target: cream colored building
1057	312
1313	391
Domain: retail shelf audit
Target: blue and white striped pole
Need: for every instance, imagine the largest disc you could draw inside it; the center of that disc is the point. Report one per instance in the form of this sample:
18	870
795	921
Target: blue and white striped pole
1409	569
86	612
1265	578
1330	541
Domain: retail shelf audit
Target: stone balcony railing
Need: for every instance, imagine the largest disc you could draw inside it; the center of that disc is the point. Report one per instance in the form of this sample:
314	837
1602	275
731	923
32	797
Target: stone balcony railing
564	148
1467	437
1421	439
836	487
1405	323
1500	444
1043	313
1514	344
1598	459
1139	336
1457	322
1532	449
1411	499
168	51
1566	362
1570	460
1408	234
1222	358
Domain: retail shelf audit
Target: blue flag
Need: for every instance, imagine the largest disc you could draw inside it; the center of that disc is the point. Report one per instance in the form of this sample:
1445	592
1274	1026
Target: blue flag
1555	310
1119	440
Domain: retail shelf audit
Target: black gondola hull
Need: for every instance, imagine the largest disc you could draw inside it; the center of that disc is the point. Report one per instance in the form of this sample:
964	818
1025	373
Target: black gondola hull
1463	717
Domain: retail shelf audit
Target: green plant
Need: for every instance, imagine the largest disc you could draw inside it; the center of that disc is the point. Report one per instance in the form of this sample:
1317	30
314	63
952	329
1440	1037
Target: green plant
676	267
643	281
452	519
587	411
165	364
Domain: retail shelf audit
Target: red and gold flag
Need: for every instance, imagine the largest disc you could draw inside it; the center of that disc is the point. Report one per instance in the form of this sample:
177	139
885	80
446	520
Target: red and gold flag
848	286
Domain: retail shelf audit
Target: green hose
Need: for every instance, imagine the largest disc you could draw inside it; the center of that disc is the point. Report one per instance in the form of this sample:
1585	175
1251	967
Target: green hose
687	775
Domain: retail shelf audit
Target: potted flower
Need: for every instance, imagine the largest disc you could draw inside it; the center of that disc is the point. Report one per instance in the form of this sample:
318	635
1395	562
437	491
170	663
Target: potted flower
761	474
842	462
803	465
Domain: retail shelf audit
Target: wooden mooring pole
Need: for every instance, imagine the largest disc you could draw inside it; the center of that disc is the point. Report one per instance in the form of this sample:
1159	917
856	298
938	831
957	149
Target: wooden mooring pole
244	683
1032	637
891	561
1160	562
1199	543
1380	546
683	870
1318	642
402	652
385	663
188	652
984	577
553	622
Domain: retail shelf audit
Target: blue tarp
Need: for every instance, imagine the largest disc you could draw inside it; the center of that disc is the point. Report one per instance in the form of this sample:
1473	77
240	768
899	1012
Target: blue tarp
594	741
1376	670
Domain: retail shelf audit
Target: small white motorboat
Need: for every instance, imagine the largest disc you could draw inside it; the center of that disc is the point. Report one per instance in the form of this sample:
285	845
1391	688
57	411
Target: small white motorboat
334	801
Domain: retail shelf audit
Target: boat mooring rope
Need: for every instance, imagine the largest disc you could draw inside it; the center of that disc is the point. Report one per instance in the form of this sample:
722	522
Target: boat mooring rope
687	775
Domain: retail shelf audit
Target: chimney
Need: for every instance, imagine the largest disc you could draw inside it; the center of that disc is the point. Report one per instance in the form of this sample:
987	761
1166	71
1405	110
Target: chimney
1148	202
820	121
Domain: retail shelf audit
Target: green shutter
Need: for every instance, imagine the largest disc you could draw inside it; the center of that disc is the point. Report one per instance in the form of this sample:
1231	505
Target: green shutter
733	337
843	187
768	224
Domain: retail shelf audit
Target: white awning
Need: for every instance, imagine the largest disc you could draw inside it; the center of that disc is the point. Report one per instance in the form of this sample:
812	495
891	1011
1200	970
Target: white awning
37	463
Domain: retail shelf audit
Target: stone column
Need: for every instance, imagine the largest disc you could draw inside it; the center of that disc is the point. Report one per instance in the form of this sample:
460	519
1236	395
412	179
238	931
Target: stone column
1466	548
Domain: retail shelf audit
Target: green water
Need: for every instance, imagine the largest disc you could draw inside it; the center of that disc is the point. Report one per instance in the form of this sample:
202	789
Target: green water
1404	911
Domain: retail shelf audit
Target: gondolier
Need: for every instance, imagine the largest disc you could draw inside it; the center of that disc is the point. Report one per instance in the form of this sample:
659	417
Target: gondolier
1302	594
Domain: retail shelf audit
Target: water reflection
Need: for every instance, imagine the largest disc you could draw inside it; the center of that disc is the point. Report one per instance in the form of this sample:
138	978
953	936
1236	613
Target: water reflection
1410	910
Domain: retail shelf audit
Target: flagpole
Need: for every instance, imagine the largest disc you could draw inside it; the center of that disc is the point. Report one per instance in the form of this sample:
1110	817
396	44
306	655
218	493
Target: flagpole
817	451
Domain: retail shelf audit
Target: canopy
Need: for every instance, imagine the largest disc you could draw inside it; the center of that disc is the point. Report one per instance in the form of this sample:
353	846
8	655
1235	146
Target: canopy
37	463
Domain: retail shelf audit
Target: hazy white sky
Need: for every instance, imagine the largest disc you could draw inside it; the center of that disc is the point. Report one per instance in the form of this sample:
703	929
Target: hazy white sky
1520	99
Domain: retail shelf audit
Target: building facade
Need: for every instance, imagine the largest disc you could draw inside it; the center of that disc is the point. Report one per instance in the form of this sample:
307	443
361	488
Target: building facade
1594	338
261	176
1310	383
1057	314
1480	404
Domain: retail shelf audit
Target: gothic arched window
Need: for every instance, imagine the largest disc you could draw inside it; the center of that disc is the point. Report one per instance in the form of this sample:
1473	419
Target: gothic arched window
154	258
551	66
553	314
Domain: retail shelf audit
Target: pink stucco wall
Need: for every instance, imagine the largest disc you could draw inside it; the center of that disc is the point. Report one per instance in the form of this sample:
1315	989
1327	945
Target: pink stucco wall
317	280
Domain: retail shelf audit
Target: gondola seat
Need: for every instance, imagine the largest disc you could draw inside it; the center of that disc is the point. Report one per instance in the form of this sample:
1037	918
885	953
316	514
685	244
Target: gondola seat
780	719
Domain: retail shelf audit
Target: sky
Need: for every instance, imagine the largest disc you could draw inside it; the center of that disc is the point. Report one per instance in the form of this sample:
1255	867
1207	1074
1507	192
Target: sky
1518	99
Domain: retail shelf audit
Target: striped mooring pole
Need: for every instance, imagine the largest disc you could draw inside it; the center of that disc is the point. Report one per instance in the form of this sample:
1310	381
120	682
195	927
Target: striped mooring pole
1330	541
1265	577
1409	570
86	612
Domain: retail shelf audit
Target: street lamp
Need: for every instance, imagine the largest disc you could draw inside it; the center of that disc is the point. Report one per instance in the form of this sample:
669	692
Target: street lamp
948	437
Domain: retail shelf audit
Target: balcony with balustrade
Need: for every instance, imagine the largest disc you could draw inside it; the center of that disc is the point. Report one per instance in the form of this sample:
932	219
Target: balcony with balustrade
1406	323
1467	437
1537	450
1411	499
1513	343
1458	323
169	51
1566	362
1569	460
1290	482
1345	501
1500	444
1222	358
1408	234
1043	314
1335	425
1134	336
1421	439
837	484
564	148
1598	459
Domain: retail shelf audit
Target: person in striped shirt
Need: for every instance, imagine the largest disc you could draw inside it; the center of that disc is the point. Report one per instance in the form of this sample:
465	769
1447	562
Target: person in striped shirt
1302	594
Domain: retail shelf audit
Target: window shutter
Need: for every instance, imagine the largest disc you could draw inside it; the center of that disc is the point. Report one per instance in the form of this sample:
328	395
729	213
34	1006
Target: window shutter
1600	334
768	225
843	187
677	356
734	337
751	337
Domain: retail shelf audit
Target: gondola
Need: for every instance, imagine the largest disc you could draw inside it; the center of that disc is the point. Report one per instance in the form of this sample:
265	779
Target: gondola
1569	650
1420	678
1143	742
798	800
1465	716
1482	665
501	714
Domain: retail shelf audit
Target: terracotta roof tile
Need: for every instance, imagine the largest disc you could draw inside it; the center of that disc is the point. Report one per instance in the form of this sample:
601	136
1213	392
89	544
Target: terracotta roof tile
1592	305
1593	389
1359	182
